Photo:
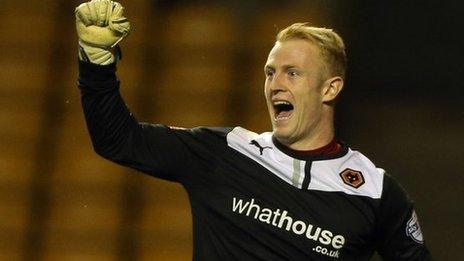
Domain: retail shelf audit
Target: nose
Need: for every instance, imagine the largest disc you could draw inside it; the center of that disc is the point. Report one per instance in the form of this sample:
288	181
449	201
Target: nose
277	84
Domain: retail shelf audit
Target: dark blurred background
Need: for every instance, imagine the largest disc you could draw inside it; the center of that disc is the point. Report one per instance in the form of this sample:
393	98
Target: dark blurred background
190	63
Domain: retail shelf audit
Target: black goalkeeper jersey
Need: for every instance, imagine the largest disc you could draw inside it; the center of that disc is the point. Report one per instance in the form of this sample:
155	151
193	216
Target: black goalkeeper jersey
252	198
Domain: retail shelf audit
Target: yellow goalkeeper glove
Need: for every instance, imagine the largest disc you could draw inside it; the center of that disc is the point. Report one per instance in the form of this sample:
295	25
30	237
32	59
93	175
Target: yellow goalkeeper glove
100	26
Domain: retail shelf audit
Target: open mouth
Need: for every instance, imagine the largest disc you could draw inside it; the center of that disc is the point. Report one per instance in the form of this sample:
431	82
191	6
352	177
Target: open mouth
283	110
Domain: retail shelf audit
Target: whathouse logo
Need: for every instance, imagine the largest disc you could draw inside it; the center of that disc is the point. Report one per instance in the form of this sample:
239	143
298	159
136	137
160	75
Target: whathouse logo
327	242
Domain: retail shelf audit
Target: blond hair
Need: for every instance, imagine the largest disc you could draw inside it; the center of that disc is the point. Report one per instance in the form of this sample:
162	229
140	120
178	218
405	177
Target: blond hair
330	44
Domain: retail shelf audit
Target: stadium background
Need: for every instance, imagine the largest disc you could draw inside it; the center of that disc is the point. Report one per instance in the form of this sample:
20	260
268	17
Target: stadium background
190	63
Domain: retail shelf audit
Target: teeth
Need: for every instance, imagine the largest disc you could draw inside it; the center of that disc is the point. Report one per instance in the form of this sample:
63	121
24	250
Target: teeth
278	117
282	103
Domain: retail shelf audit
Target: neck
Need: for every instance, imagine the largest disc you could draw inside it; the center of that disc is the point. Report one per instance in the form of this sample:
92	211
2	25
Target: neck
319	136
316	141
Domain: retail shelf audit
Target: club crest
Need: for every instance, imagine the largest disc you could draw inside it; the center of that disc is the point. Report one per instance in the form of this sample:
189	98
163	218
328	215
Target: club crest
353	178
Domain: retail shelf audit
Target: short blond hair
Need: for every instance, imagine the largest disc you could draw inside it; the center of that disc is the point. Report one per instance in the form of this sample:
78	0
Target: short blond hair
329	42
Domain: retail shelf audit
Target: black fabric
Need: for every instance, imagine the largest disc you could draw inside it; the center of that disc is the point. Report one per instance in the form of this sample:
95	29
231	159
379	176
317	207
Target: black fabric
220	182
394	244
307	178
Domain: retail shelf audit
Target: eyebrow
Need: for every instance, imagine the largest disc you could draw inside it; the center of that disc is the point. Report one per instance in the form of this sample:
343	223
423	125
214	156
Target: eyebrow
285	67
269	68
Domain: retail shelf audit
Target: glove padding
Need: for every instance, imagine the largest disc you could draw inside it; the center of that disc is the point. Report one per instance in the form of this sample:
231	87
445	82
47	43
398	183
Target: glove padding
100	26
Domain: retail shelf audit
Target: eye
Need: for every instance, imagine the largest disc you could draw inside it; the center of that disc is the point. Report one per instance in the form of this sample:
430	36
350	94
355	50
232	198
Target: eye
293	73
269	73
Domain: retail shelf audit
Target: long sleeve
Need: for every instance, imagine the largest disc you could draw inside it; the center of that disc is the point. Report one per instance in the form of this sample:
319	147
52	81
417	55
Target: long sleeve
399	233
116	134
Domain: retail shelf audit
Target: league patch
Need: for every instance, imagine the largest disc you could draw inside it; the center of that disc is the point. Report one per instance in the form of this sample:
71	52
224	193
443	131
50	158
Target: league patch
413	229
353	178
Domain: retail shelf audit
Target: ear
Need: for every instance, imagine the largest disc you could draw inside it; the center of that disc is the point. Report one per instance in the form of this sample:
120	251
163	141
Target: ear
332	87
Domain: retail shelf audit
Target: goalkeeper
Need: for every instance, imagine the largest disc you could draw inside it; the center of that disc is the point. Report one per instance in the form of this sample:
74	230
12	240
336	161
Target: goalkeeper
296	193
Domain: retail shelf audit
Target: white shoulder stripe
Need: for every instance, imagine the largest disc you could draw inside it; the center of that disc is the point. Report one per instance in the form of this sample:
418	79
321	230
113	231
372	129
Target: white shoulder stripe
326	175
261	149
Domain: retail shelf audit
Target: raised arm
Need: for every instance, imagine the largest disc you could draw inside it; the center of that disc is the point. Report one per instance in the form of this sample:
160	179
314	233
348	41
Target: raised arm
116	134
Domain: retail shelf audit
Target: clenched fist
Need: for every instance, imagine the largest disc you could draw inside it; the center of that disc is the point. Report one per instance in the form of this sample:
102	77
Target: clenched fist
100	26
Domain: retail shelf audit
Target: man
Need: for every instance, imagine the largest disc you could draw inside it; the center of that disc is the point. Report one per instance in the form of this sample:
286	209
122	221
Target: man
295	193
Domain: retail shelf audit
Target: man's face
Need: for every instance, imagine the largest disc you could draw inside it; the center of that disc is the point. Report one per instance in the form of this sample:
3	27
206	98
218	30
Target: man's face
293	89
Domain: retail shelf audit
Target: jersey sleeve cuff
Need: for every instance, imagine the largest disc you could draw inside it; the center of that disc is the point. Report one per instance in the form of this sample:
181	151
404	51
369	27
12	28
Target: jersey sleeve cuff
97	78
95	72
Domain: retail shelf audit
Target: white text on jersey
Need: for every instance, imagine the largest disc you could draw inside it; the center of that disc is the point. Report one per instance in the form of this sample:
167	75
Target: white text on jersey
282	220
